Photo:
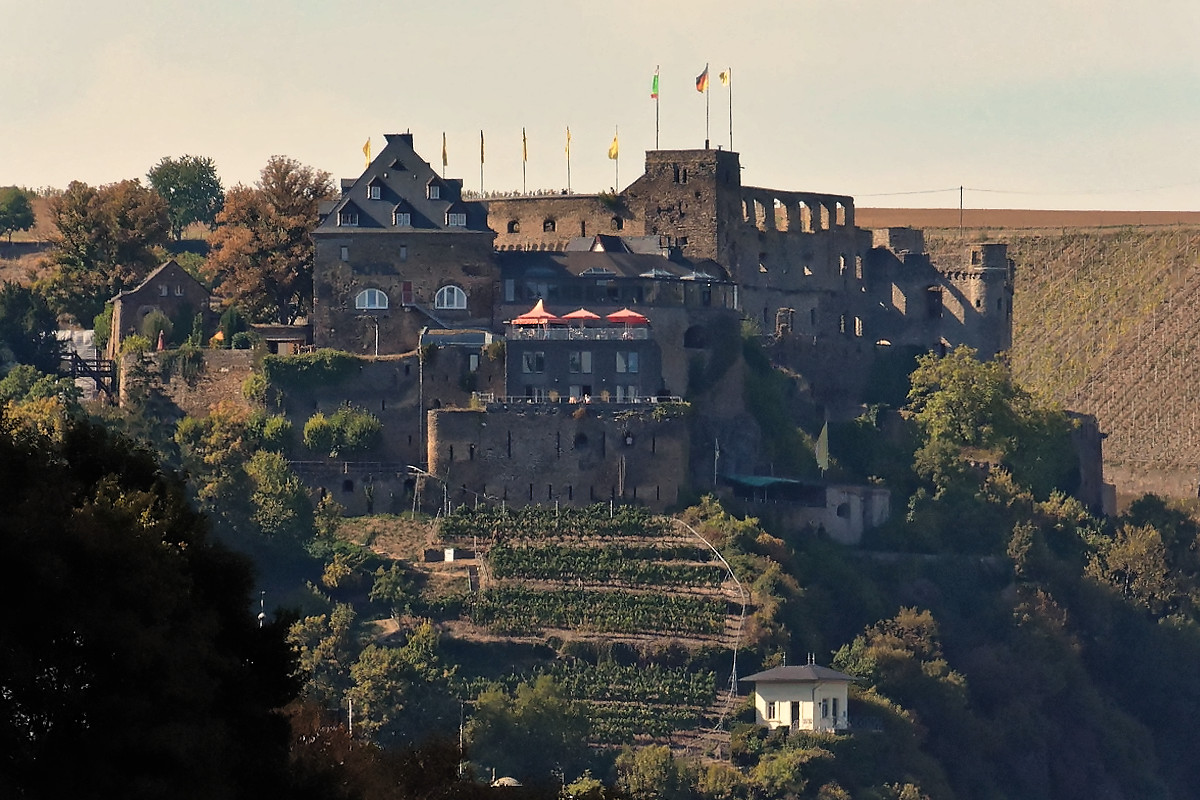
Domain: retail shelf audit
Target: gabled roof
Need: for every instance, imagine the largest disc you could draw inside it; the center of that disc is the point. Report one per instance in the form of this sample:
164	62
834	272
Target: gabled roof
808	673
405	185
169	266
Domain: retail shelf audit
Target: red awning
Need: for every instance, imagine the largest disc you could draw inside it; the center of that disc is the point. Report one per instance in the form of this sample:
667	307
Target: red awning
627	317
538	315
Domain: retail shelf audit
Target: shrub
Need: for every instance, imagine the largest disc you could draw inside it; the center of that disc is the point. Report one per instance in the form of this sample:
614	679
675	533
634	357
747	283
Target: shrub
325	367
242	341
102	328
155	323
254	388
319	434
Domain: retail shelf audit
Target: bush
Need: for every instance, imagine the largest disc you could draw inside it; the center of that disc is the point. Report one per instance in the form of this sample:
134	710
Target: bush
232	322
156	323
254	388
325	367
319	434
102	328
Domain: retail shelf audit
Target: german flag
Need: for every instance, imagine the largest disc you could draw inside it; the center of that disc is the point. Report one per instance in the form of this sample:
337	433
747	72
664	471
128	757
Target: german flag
702	81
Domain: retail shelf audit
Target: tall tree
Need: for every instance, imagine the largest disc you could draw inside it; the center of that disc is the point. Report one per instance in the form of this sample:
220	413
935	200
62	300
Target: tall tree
27	329
104	243
142	672
262	257
16	211
191	188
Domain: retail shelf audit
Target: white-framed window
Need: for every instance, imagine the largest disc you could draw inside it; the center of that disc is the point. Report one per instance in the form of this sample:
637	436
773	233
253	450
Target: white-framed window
450	297
402	219
580	361
456	220
434	192
772	710
178	290
370	299
374	192
345	252
627	361
533	361
627	394
473	362
348	218
162	290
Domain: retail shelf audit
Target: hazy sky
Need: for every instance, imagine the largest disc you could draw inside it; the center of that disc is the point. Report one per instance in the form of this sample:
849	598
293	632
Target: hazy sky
1028	103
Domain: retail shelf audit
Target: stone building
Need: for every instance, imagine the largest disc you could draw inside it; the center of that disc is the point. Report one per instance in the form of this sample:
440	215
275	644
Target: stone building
169	289
687	246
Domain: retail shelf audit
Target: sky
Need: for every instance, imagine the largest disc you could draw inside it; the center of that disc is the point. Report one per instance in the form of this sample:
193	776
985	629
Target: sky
1049	104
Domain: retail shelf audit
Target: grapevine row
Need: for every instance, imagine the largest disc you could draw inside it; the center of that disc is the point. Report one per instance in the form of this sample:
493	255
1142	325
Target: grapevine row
596	520
520	611
600	565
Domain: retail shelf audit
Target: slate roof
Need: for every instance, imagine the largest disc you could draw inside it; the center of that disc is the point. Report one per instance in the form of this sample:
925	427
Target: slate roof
402	178
808	673
514	263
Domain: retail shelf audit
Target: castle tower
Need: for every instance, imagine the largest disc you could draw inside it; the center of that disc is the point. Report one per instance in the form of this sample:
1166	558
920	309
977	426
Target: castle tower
693	197
985	283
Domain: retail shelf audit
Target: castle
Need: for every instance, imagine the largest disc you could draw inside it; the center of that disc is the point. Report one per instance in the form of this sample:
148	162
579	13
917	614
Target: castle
405	261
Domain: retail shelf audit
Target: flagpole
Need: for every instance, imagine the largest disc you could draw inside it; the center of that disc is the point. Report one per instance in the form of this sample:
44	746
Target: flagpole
524	159
481	163
568	159
706	103
729	73
616	165
656	100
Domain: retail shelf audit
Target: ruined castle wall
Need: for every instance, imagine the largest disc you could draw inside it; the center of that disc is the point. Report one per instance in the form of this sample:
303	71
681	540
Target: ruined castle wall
573	455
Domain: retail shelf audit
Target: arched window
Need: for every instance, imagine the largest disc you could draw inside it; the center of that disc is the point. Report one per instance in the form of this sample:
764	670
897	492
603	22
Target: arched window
549	226
618	224
370	299
514	226
450	297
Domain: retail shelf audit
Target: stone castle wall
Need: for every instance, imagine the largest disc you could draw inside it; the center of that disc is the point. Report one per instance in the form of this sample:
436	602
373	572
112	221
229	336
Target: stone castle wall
569	454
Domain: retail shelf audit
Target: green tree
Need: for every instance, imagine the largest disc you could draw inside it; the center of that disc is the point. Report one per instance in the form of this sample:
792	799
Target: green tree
281	508
651	773
104	242
530	734
142	672
27	329
16	211
191	188
261	254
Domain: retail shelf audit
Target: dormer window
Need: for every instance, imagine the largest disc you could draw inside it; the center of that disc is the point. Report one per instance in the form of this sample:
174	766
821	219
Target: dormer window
456	220
402	219
434	192
374	192
348	218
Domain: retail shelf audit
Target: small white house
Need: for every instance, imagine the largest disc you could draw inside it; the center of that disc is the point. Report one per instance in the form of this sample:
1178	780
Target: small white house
807	698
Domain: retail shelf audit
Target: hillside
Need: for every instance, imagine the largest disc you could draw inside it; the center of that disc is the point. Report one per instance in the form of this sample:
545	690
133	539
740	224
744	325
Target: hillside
1105	322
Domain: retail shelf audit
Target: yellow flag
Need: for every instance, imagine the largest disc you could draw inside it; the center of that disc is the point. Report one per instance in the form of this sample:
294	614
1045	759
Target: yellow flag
568	141
612	148
724	76
445	160
524	146
367	150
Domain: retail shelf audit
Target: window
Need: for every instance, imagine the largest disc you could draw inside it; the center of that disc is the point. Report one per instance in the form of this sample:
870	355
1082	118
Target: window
549	226
178	290
348	218
533	361
580	361
858	326
825	708
618	224
473	362
627	394
772	711
627	361
514	226
835	708
370	299
345	252
162	290
404	252
456	220
450	297
406	293
434	192
373	191
402	219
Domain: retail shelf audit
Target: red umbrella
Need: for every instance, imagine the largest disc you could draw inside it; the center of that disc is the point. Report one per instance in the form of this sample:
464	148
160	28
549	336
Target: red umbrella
582	315
627	317
538	315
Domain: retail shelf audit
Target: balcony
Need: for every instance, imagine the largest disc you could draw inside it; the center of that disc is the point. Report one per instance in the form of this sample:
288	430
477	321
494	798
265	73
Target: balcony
543	334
